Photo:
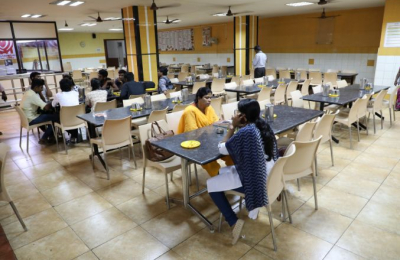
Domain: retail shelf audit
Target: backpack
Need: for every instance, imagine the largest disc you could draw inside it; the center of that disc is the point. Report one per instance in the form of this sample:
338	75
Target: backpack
398	100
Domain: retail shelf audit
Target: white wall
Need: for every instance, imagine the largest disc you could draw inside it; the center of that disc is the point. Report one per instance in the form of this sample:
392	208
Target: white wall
386	70
79	63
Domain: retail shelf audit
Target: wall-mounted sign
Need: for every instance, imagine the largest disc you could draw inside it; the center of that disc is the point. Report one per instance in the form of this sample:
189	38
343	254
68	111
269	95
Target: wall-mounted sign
7	50
206	36
392	36
179	40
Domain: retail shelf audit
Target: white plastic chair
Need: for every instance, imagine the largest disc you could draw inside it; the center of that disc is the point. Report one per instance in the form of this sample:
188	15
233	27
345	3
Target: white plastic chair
292	86
230	96
296	99
342	83
158	97
279	97
217	86
264	94
391	103
228	110
216	104
173	120
324	129
375	107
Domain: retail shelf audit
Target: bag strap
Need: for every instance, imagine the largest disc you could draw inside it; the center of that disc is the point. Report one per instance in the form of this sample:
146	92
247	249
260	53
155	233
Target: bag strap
159	128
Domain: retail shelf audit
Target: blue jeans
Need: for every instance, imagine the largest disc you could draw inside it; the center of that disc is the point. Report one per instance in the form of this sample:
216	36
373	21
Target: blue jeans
43	118
223	205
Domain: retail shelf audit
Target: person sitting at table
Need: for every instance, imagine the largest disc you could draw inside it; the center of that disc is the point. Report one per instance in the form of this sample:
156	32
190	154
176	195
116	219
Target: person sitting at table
198	115
106	83
46	93
74	86
254	151
164	83
30	103
96	95
131	87
121	78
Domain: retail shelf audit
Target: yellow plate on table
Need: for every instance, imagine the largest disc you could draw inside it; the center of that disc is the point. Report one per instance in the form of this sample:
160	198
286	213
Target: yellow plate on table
275	116
333	95
190	144
117	93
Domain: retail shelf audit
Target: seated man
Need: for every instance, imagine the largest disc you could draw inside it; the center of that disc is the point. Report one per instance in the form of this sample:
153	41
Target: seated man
75	87
131	87
121	78
46	94
96	95
30	103
164	83
106	83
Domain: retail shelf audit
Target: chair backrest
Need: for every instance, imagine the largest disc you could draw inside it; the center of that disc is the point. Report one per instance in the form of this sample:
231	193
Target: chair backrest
22	117
291	87
280	94
305	87
303	74
182	76
316	77
284	74
280	68
349	71
101	106
379	100
185	68
259	80
301	163
271	72
157	115
246	77
175	94
197	85
216	104
315	69
158	97
129	102
275	181
229	109
262	103
331	77
215	69
264	94
317	89
193	69
173	120
393	97
248	82
306	132
236	79
296	99
362	109
353	113
180	107
332	70
68	115
217	85
76	74
230	95
117	133
342	83
67	66
171	75
145	131
324	127
224	70
111	73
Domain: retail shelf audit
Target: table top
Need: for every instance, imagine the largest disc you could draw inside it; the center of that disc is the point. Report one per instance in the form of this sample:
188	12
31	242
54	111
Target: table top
340	74
122	112
347	95
287	118
254	88
209	80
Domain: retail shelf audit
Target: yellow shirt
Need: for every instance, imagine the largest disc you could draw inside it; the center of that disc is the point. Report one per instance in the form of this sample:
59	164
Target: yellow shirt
193	119
30	103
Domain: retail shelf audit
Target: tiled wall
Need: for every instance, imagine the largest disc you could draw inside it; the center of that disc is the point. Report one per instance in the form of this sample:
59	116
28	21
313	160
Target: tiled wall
324	61
212	58
386	70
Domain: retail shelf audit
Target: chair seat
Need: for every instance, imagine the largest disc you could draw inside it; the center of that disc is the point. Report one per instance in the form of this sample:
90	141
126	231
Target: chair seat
39	124
64	128
284	141
385	103
171	164
96	140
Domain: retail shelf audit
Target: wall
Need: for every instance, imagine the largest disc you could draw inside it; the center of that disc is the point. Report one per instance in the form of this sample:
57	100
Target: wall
290	41
92	55
216	53
388	62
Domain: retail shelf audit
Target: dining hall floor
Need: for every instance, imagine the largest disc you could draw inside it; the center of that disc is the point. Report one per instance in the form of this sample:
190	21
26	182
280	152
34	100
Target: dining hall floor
73	212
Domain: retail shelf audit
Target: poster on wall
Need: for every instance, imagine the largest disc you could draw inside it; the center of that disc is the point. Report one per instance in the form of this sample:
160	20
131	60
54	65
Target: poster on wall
392	36
7	50
179	40
206	36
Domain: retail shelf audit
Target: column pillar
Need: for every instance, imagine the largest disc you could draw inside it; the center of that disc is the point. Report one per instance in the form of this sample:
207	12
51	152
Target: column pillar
245	38
141	42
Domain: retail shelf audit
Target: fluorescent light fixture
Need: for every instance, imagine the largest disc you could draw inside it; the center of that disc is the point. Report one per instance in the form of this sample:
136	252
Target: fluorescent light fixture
112	18
36	16
64	2
25	41
220	14
176	21
76	3
299	4
88	24
25	15
66	29
115	29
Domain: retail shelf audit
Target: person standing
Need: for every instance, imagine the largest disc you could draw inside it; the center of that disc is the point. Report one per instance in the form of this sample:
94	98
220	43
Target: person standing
3	96
259	61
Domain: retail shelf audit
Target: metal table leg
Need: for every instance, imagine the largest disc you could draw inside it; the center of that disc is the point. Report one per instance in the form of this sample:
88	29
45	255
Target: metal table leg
237	96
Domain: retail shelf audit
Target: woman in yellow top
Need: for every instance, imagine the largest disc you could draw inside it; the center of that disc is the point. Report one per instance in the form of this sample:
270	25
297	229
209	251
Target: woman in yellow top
199	115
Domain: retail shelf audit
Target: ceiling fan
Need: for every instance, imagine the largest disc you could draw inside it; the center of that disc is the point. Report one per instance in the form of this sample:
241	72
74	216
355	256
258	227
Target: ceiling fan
154	7
324	16
324	2
100	20
230	13
171	21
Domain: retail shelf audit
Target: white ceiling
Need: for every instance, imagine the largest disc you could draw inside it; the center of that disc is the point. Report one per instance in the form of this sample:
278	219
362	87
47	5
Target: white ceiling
191	12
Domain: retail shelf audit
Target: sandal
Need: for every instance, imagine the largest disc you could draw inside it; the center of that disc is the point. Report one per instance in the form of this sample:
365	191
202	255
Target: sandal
237	230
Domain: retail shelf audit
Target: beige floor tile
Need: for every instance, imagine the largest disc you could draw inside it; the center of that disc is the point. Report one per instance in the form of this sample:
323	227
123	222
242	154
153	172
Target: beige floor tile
5	212
325	175
387	195
291	244
379	161
11	166
321	223
204	245
21	190
306	188
39	225
124	247
341	152
294	204
103	227
14	177
144	207
388	142
66	192
376	149
122	191
381	216
170	255
366	172
63	244
341	202
52	180
31	205
324	162
355	186
97	179
370	242
173	226
87	256
82	207
342	254
33	160
43	169
396	168
393	180
154	178
254	254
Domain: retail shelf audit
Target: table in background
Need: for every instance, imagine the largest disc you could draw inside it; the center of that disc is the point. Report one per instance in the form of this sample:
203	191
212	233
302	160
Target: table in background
349	77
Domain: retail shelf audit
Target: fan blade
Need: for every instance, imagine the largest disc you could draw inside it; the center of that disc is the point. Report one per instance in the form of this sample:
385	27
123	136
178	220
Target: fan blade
92	17
169	6
174	20
245	12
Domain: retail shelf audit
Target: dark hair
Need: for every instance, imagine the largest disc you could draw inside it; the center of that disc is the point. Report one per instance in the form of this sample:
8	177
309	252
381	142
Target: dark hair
163	70
257	48
66	76
66	85
95	83
203	91
121	72
129	76
37	82
103	73
251	108
33	75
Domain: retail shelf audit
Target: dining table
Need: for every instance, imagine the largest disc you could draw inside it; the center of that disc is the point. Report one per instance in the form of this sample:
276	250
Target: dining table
349	77
287	118
208	82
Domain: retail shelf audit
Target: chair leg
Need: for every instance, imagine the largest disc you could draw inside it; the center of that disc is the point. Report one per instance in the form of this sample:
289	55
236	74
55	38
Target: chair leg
315	193
298	184
358	129
91	147
373	120
390	116
144	178
134	157
65	143
197	177
172	174
38	133
240	203
330	144
105	162
18	216
27	141
220	223
287	206
394	114
316	164
381	120
271	223
20	137
283	209
351	139
167	190
366	125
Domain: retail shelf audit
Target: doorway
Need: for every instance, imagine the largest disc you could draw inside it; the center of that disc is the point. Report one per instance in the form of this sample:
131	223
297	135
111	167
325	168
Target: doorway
115	53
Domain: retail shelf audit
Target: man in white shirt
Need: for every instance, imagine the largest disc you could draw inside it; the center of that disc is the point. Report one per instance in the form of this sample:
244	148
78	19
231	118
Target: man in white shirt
30	103
259	62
